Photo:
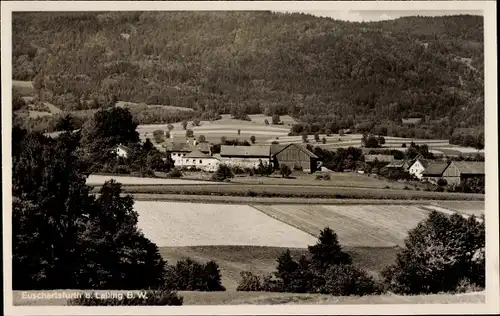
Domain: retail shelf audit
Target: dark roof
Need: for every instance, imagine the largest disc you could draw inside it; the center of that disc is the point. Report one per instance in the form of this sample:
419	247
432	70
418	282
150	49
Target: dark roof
435	169
396	164
178	146
198	154
470	167
203	147
424	162
382	158
248	151
277	148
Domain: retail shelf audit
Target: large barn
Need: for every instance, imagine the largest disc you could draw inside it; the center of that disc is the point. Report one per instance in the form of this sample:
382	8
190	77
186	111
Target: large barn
295	156
245	156
458	171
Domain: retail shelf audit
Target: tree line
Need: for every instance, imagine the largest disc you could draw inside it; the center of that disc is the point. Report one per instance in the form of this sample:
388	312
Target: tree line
335	74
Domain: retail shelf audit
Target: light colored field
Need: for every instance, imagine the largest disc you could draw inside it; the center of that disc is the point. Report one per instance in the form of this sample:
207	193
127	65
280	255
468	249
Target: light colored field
355	225
191	224
151	106
36	114
476	208
95	179
25	88
265	298
227	127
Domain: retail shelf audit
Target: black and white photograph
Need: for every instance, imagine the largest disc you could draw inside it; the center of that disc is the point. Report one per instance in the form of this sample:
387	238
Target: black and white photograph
296	156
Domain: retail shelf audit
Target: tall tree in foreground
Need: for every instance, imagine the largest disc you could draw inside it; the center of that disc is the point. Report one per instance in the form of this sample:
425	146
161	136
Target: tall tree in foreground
63	236
440	253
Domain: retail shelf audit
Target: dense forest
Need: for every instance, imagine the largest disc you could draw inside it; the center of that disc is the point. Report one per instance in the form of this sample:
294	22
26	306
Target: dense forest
326	73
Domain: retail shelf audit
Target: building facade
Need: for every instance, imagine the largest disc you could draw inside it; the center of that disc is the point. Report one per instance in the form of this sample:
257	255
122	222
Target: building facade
200	160
295	156
418	167
245	156
458	171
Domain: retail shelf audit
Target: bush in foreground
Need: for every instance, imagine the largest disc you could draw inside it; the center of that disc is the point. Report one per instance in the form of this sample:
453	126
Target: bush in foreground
158	297
189	275
348	280
223	173
440	254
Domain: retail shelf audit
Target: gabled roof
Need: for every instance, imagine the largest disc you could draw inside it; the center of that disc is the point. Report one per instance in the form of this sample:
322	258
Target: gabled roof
198	154
435	169
381	158
204	147
424	162
277	148
124	148
470	167
178	147
396	164
248	151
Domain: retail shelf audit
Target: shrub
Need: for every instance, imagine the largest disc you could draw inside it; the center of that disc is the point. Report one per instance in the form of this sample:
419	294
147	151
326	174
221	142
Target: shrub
223	173
249	282
442	182
323	177
345	280
438	254
153	298
285	171
121	169
176	173
189	275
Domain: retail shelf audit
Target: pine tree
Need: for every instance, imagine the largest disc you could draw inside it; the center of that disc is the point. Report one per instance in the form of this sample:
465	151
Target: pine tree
328	251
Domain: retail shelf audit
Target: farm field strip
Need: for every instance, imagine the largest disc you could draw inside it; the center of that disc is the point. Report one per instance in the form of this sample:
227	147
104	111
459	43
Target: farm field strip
298	191
356	225
476	208
126	180
193	224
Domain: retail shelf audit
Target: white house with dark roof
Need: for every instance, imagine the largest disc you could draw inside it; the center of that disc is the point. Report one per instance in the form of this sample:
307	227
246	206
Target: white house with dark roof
418	167
121	151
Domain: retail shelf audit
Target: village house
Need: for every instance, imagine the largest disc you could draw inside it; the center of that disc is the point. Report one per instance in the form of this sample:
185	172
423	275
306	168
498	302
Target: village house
418	167
434	172
459	171
401	165
200	160
245	156
121	151
178	149
295	156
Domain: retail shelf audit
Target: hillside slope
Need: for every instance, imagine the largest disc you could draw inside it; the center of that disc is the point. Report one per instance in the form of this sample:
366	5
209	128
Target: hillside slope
331	73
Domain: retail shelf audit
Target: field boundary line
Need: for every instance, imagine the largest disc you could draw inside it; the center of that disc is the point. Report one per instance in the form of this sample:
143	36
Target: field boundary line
280	220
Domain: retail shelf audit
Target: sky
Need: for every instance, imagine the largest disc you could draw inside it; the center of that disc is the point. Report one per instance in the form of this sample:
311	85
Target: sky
367	16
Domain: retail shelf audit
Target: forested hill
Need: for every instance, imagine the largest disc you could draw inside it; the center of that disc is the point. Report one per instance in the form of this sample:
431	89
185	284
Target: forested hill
317	69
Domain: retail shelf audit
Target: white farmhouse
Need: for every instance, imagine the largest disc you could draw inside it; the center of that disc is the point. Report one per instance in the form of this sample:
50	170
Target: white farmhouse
200	160
121	151
418	167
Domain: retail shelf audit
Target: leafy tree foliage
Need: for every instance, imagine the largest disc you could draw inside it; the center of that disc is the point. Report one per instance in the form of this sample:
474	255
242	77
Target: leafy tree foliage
335	75
439	253
285	171
223	173
189	275
276	119
252	139
64	237
159	136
